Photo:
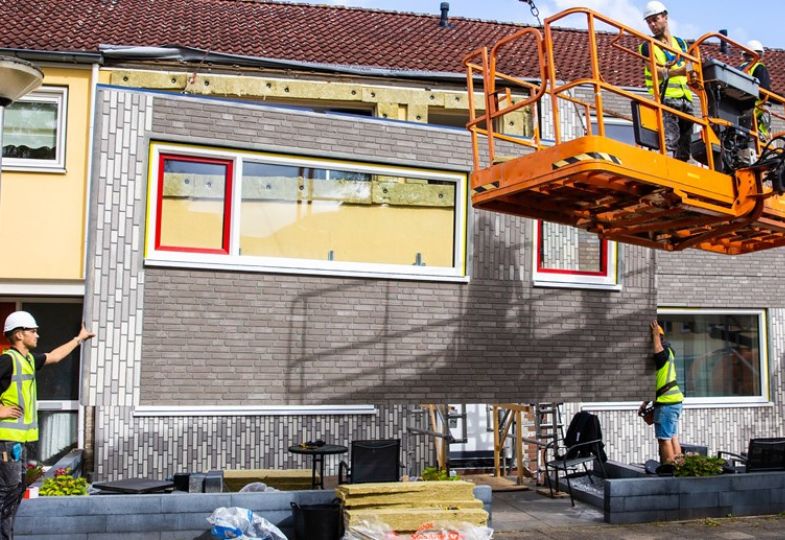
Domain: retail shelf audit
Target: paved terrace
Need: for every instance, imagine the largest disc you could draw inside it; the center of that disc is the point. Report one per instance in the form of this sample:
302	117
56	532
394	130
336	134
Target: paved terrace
527	514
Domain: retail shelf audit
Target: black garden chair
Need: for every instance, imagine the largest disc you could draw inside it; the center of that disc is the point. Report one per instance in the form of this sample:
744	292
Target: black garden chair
372	461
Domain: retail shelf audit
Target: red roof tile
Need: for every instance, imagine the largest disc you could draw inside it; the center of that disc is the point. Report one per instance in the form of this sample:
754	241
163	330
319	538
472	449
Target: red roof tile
297	32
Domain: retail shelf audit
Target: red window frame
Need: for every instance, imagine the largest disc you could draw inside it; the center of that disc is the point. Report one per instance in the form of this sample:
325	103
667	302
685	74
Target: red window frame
603	271
227	217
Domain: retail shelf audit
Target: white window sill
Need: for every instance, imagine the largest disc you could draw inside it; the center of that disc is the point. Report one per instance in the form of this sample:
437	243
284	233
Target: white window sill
314	271
251	410
688	404
577	285
34	168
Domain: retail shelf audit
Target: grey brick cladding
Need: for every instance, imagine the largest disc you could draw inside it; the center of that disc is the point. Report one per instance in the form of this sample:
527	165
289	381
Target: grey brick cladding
292	339
701	279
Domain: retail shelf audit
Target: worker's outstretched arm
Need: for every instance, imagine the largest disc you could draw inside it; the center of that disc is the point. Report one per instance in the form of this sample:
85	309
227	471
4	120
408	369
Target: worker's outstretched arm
656	338
68	347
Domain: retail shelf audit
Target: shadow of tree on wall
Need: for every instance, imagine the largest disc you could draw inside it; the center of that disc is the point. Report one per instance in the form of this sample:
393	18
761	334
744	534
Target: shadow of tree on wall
494	339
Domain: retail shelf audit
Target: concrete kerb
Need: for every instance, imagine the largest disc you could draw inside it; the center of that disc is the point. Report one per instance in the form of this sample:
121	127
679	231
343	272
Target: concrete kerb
152	515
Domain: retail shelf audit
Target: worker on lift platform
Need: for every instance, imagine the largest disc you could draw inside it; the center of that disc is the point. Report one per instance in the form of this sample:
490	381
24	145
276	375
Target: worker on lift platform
760	72
672	74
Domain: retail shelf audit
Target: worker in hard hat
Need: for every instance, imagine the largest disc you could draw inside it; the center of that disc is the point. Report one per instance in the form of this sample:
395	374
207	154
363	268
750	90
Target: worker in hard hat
668	398
671	79
18	407
760	72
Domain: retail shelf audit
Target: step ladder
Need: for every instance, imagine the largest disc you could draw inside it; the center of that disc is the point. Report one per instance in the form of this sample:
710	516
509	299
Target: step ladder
548	429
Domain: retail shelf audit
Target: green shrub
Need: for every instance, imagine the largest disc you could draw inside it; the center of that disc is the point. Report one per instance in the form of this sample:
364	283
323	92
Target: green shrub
433	473
697	465
63	484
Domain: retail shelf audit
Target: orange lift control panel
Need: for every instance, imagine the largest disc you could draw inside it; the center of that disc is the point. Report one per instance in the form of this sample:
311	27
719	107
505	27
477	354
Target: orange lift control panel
573	168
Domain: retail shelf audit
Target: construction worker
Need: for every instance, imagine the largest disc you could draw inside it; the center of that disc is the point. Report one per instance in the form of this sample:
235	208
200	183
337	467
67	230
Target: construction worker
668	398
18	407
760	72
672	80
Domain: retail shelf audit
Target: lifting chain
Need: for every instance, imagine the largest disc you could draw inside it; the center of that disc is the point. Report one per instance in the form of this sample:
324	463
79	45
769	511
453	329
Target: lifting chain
533	8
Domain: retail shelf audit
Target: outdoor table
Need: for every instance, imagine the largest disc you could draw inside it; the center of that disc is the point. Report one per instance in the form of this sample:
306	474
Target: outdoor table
318	453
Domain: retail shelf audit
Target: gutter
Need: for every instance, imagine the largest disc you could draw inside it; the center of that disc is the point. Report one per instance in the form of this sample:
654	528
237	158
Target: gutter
55	56
121	53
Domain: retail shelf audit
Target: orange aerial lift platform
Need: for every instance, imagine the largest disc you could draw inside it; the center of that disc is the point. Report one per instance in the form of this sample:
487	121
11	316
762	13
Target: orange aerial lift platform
570	170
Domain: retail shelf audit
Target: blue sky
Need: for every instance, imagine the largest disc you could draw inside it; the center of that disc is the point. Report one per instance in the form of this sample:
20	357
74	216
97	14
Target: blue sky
762	20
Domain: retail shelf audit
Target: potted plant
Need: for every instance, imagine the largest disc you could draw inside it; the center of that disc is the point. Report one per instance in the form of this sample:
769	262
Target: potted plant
63	484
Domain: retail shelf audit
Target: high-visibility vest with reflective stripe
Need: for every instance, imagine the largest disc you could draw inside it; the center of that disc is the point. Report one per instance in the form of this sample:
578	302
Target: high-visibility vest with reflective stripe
21	393
665	376
677	84
763	127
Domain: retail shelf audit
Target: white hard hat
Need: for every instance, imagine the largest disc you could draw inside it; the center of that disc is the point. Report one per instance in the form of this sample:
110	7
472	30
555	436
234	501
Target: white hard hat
654	8
755	45
19	319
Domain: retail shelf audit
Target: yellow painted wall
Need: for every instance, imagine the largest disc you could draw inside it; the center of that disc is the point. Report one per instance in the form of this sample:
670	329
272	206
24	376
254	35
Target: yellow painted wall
42	214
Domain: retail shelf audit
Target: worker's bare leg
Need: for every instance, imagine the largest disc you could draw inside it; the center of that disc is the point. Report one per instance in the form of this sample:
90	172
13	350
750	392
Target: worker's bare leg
676	446
666	450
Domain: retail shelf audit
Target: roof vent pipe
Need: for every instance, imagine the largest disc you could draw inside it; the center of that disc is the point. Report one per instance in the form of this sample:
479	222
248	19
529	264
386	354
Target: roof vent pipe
444	21
723	43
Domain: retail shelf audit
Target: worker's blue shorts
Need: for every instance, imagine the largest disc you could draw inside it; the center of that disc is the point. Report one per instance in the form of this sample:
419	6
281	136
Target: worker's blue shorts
666	421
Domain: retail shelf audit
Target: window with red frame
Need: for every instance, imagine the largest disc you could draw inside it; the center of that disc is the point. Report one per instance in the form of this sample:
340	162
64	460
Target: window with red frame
568	257
194	204
562	249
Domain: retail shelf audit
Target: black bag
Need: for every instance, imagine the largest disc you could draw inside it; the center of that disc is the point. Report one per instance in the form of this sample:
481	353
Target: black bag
318	521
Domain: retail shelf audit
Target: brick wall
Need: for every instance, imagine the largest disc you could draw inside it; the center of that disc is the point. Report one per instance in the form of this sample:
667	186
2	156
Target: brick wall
205	337
339	340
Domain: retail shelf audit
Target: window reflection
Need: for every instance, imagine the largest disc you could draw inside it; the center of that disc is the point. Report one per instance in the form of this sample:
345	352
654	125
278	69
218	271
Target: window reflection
344	215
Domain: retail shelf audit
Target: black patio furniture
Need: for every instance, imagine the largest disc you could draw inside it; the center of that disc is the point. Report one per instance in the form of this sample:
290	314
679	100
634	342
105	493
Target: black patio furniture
582	445
763	454
372	461
317	454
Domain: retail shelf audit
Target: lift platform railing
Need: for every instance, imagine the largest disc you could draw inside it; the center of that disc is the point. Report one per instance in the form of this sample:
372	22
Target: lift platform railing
498	97
501	88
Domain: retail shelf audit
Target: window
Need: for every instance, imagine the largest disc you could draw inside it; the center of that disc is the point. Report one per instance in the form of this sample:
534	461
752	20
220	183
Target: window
720	355
58	384
568	257
34	130
255	211
616	129
194	204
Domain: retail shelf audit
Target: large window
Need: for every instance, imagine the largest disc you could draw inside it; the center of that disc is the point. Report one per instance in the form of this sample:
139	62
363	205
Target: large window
720	355
58	384
568	257
260	211
34	130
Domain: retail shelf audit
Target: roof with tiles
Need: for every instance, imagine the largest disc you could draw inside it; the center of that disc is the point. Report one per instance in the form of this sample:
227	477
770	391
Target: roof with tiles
305	33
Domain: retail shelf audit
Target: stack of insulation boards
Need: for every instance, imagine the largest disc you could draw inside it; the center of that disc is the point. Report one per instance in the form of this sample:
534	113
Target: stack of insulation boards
404	506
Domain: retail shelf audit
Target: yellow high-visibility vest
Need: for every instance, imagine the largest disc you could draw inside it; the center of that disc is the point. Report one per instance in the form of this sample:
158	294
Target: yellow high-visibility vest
677	84
667	391
21	393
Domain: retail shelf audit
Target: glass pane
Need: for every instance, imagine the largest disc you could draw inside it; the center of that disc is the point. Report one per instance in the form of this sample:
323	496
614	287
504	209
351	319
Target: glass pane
57	435
192	206
717	355
30	130
338	215
620	132
58	323
566	248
